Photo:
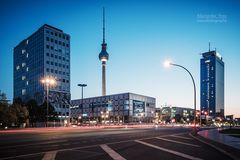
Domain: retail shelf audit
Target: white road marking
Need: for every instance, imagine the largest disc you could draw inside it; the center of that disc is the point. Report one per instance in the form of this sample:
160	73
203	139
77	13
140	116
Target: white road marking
111	152
181	137
169	140
169	151
50	155
76	148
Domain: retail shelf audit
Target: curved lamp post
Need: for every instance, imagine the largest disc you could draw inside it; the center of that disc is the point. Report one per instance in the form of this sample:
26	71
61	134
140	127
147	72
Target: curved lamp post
168	64
48	82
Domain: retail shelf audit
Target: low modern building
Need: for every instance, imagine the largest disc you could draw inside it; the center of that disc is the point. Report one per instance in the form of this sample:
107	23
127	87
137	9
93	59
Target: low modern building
117	108
176	114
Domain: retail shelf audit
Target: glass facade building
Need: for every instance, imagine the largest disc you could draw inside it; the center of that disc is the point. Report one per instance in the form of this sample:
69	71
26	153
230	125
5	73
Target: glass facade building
125	107
44	53
212	84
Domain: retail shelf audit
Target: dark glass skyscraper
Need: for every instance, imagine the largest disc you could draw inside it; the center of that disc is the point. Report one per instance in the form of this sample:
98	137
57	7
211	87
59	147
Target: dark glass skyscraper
44	53
212	84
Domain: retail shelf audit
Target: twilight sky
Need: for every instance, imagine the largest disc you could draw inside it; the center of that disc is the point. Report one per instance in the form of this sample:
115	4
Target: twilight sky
140	35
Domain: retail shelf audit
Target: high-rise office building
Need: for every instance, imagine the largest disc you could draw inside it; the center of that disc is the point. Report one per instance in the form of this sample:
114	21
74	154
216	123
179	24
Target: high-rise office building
45	53
212	84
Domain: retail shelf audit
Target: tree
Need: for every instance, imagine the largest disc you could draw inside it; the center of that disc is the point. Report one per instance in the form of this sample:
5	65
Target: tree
52	114
21	113
33	110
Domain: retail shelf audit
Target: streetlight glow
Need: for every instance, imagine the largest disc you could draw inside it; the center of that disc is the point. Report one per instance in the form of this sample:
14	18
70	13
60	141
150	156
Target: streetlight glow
167	63
48	81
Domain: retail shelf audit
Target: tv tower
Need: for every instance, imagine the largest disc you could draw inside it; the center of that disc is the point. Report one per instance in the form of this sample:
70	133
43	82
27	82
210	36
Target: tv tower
103	57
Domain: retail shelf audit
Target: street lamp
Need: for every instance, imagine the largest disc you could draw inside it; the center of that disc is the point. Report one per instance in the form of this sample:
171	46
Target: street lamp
82	85
168	64
48	82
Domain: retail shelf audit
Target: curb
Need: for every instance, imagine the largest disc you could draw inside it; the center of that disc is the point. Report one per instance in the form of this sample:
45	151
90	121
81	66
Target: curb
215	147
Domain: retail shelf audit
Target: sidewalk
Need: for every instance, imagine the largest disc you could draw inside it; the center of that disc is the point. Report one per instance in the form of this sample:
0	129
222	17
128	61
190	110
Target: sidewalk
213	134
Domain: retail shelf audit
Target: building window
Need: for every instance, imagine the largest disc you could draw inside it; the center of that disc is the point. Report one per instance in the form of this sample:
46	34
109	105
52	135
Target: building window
23	78
60	65
67	66
60	35
63	37
18	67
47	31
47	54
56	64
23	64
27	83
63	80
60	57
51	63
56	56
47	69
51	47
60	42
63	58
67	45
56	41
56	71
60	72
51	70
51	40
23	91
51	33
51	55
47	46
23	51
63	65
67	37
55	34
47	62
27	69
63	44
47	38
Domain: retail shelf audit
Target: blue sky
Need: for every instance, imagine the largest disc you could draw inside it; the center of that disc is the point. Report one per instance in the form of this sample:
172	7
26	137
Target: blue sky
140	35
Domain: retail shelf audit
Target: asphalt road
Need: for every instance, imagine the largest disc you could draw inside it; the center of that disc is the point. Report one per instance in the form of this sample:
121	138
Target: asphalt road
162	143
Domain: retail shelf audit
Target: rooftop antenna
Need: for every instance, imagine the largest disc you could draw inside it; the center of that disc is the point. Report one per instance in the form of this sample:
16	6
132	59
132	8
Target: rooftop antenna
103	25
209	45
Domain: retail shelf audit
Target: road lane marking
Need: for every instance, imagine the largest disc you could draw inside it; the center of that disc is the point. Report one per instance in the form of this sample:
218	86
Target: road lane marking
181	137
83	147
50	155
169	140
169	151
111	152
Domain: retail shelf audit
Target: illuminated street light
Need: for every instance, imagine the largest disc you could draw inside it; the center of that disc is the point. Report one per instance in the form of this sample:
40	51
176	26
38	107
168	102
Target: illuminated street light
168	64
48	82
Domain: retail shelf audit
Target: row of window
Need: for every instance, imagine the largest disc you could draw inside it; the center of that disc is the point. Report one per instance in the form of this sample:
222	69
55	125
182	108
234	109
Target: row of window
57	42
58	34
56	56
57	72
57	64
52	48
